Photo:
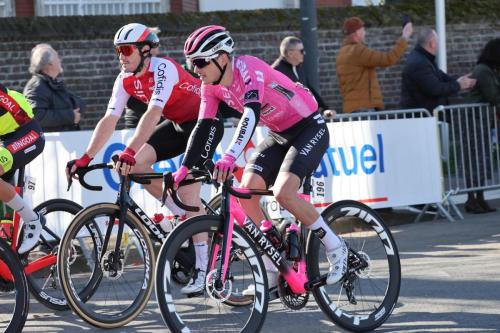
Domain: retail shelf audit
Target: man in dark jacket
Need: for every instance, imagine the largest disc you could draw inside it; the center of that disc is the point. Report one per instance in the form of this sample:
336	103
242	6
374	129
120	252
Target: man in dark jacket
56	108
290	63
423	84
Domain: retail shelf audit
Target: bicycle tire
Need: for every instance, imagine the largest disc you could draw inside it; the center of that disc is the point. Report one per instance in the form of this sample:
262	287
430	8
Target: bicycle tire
97	310
13	322
169	298
368	238
37	280
235	299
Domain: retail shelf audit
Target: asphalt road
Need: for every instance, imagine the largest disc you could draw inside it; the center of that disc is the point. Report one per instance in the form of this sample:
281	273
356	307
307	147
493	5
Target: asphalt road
451	283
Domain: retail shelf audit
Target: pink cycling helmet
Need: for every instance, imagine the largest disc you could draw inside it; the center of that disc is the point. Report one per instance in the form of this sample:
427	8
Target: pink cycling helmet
208	41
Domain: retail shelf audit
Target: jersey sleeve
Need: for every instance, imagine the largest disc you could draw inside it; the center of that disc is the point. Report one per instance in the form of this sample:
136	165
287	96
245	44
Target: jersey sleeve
253	80
166	76
206	119
119	98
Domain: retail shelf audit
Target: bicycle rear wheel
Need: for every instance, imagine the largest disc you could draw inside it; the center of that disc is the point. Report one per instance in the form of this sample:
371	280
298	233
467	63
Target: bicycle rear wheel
366	296
43	281
124	287
14	296
209	310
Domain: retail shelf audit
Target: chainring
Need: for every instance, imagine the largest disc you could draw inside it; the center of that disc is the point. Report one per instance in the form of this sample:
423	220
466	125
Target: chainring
291	300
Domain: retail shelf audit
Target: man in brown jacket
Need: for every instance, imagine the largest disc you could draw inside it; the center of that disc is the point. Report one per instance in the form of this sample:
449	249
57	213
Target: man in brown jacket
356	66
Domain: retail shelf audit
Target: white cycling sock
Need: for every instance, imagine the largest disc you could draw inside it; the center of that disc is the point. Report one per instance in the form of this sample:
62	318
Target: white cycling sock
23	208
201	250
325	234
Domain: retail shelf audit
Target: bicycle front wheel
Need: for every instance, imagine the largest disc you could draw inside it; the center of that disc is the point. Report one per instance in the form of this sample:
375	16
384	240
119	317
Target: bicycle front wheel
43	281
368	292
125	277
14	296
210	310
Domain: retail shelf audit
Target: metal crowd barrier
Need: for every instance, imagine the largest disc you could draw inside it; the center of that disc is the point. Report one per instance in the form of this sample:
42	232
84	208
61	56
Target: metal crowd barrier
440	210
469	149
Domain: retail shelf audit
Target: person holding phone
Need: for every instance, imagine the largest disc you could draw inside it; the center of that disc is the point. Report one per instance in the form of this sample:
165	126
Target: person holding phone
356	66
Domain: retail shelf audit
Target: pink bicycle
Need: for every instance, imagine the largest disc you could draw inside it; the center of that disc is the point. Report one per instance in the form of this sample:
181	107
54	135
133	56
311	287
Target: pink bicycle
361	301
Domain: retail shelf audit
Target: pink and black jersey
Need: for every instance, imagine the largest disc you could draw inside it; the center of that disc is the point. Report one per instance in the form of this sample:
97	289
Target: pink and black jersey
283	102
260	93
165	84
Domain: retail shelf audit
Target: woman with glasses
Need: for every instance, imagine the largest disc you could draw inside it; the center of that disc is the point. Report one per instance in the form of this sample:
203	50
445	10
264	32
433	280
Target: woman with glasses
297	139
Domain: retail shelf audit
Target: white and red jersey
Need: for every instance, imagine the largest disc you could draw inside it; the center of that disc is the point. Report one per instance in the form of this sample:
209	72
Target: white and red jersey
165	84
283	102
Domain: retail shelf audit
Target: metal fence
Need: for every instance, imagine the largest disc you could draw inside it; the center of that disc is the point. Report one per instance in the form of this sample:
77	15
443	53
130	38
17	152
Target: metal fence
469	148
100	7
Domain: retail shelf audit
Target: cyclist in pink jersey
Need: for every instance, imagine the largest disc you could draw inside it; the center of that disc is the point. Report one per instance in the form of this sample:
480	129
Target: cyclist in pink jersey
168	90
293	149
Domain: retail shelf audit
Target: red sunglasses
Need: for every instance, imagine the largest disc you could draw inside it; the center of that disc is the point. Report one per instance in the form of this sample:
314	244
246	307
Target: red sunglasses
126	50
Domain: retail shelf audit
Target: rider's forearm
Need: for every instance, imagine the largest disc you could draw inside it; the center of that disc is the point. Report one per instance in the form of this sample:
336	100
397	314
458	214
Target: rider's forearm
103	131
145	127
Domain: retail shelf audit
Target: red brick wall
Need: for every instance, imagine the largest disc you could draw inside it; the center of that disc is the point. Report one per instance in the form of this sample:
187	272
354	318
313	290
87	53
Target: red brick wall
177	6
333	3
190	5
90	71
25	8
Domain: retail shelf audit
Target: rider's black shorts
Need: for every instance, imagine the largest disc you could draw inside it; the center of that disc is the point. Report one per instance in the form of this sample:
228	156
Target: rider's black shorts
21	147
170	139
298	150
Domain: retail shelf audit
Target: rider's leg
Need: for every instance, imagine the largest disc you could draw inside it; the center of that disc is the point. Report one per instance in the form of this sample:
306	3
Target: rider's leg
252	206
32	222
285	190
145	158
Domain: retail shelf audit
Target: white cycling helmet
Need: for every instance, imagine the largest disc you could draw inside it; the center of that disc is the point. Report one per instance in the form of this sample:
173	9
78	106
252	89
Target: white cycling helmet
137	34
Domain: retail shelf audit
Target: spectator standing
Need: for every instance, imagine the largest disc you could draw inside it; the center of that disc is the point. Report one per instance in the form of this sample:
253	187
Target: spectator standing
290	63
487	90
356	67
423	84
54	106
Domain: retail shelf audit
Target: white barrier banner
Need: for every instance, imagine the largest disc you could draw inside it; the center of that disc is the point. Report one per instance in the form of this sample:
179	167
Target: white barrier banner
382	163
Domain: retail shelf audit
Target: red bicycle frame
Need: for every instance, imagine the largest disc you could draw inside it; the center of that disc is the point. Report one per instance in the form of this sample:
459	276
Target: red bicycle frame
31	267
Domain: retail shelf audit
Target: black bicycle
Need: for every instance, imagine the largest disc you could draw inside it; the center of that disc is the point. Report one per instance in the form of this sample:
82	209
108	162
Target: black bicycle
361	301
14	296
119	238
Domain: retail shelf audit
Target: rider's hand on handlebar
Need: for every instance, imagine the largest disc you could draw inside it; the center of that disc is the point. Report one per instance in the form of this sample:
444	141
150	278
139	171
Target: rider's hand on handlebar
224	168
126	160
179	175
73	165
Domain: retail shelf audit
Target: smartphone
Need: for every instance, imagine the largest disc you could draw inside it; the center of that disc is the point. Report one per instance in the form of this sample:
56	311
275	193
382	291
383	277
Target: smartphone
405	19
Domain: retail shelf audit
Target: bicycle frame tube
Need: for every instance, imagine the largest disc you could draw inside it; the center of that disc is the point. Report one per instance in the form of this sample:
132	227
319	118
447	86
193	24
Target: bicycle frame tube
5	273
297	280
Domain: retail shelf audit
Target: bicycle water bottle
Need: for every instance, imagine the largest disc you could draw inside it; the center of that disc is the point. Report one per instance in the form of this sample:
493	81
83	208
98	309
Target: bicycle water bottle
163	221
292	241
271	233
